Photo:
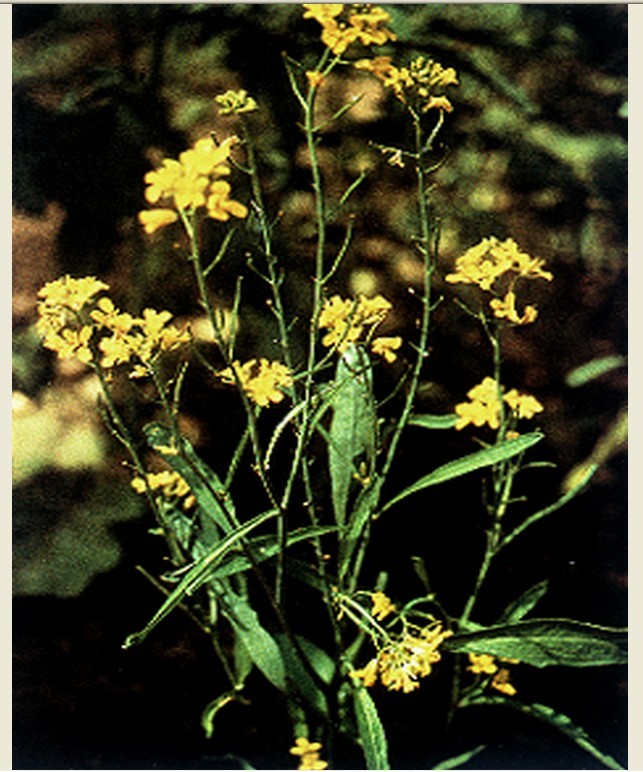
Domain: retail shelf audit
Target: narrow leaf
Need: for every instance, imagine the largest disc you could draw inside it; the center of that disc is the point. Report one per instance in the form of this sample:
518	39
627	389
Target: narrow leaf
544	642
370	729
299	677
203	481
260	645
428	421
557	720
352	429
520	607
478	460
455	762
198	574
583	374
365	507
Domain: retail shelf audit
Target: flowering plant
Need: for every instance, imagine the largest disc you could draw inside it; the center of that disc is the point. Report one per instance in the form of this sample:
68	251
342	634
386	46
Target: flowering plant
236	571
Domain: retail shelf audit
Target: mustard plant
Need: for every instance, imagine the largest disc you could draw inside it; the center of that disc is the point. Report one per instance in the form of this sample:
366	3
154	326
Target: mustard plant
236	570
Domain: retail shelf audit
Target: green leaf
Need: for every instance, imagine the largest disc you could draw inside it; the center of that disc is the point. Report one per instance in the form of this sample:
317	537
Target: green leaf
520	607
544	642
550	716
299	676
455	762
579	376
352	429
478	460
365	507
428	421
204	483
198	574
211	710
262	648
266	547
370	729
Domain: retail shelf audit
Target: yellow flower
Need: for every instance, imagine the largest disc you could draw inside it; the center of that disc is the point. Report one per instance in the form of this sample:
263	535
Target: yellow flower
482	663
346	319
260	379
417	85
524	405
220	205
315	78
345	23
382	605
501	683
483	408
402	661
387	347
191	182
490	259
71	344
153	219
69	292
308	753
169	484
236	102
506	309
116	350
367	674
107	315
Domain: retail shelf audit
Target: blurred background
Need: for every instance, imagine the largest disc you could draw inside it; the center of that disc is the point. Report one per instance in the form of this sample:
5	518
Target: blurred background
536	149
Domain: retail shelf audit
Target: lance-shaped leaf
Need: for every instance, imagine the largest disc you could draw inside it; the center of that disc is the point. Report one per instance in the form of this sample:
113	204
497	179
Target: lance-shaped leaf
456	762
365	507
550	716
352	429
262	648
198	574
520	607
264	548
544	642
503	451
204	483
370	729
297	673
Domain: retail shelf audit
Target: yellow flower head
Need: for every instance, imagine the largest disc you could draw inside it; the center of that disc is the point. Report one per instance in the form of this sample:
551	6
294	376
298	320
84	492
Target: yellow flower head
308	753
482	663
420	85
192	182
262	380
69	293
382	605
347	319
386	347
345	23
236	102
485	405
402	661
168	484
506	309
501	683
491	259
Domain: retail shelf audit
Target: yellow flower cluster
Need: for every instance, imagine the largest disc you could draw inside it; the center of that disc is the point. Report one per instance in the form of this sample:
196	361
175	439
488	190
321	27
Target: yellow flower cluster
485	664
401	662
345	23
168	484
236	102
382	605
262	380
192	182
346	320
420	85
484	406
308	753
77	326
491	261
